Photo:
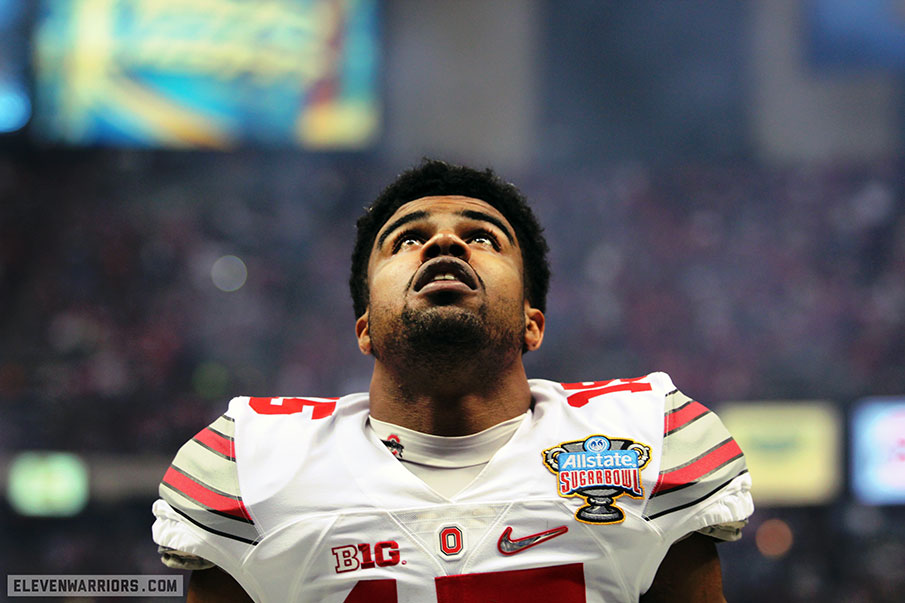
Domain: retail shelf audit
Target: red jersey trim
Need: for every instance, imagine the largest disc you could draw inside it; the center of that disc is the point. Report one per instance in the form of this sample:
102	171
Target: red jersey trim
718	456
187	486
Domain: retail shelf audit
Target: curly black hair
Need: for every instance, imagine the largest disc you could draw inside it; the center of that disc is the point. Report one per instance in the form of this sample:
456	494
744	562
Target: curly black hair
437	178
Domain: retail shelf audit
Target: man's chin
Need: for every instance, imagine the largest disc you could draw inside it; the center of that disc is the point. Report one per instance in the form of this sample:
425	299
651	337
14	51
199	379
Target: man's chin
437	334
438	325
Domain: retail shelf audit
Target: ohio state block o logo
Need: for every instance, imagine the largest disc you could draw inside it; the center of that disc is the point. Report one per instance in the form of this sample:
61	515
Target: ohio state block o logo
452	541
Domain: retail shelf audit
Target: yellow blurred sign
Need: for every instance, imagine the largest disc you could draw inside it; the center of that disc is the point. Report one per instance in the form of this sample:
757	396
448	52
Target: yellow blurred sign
793	449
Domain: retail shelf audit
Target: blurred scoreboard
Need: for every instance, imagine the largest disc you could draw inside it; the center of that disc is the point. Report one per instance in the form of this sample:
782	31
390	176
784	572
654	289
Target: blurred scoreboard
794	449
207	73
877	463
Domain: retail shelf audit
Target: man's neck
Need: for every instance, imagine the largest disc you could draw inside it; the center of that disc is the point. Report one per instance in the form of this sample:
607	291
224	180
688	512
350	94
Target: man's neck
446	402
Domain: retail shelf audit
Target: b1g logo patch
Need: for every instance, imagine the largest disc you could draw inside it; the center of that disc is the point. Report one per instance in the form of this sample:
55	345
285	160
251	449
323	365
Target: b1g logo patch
599	469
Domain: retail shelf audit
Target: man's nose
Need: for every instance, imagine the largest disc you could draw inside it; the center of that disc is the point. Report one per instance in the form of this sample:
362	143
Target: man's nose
445	243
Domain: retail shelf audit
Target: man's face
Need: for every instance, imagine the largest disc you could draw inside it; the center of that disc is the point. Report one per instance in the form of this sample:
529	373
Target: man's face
447	270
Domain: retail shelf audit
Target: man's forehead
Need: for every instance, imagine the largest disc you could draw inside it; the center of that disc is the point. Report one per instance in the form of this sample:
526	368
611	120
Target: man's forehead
447	204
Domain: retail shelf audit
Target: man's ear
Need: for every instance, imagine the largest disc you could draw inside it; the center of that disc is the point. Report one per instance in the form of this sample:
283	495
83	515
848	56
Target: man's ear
534	327
363	333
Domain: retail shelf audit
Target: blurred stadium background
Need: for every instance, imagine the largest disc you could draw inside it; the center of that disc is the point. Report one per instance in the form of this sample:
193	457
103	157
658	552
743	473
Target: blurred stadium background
721	183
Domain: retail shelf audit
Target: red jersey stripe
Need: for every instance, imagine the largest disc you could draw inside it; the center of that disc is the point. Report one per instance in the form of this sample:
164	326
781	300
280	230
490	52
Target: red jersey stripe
205	496
683	416
714	459
216	442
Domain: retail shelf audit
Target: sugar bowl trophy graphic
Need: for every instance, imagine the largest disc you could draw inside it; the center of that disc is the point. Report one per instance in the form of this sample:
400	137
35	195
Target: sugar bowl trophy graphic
598	468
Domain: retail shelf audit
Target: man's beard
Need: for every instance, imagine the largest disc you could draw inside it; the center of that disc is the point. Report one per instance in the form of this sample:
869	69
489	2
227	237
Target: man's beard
443	337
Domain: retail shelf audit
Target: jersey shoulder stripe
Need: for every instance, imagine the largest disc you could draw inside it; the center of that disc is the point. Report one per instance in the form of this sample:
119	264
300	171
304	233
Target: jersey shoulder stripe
201	517
699	458
693	502
687	474
216	442
679	417
202	484
201	493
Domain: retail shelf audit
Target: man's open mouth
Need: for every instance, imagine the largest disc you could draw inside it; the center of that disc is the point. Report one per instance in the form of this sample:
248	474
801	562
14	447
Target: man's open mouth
445	270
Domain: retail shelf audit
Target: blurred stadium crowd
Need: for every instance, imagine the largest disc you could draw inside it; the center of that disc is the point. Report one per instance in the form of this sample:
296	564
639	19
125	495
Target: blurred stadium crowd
743	282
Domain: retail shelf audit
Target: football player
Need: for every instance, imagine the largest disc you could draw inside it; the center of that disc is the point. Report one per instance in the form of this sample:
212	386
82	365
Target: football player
455	477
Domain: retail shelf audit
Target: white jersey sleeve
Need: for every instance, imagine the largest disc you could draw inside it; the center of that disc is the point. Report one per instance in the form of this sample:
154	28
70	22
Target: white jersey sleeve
200	517
703	482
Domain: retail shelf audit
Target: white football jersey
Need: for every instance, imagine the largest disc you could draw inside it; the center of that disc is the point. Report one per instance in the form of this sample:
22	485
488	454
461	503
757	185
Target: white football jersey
299	501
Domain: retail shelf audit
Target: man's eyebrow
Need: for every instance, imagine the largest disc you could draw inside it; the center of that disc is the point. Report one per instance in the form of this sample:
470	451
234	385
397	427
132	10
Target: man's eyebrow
415	215
479	215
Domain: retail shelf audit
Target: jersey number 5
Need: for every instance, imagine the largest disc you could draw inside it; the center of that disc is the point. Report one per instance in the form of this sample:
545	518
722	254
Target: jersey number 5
316	409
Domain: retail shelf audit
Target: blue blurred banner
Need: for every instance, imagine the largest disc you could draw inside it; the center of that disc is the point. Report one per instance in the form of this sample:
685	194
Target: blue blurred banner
207	73
857	33
15	105
878	451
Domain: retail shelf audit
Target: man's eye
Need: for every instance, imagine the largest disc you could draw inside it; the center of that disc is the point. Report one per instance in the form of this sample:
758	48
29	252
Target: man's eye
407	240
485	238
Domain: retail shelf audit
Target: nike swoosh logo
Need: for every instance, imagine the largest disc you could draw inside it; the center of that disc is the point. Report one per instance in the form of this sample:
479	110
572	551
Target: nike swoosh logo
510	546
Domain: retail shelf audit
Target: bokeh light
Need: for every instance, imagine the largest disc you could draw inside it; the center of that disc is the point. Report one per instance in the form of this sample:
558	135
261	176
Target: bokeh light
210	380
47	484
229	273
774	538
15	108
